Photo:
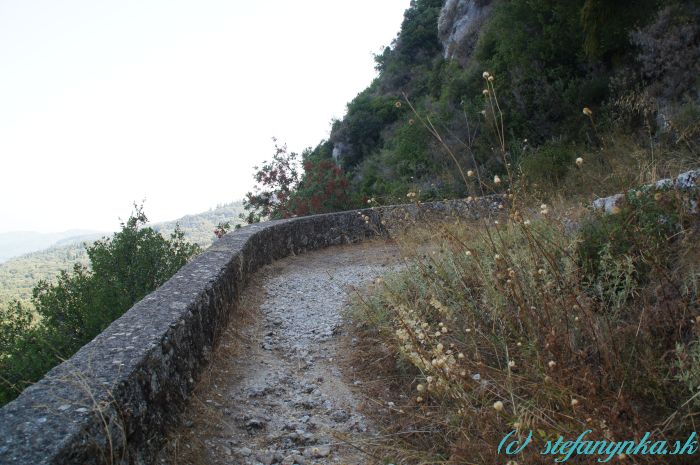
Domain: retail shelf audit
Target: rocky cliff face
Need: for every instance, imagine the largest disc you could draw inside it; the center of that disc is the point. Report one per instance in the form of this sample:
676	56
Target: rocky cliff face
459	25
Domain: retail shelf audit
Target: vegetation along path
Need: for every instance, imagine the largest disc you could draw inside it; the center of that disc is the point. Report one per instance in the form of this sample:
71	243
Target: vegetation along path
280	389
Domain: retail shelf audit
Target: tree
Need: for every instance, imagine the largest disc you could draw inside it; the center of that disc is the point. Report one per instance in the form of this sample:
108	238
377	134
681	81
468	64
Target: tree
283	191
79	305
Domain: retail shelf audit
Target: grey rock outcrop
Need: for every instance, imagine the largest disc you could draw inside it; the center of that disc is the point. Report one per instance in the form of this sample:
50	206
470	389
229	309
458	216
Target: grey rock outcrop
459	25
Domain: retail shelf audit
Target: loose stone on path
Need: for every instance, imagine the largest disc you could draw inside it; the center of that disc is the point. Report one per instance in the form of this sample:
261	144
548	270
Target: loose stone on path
281	398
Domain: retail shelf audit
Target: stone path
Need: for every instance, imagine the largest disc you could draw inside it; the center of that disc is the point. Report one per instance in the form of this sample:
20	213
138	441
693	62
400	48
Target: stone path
277	393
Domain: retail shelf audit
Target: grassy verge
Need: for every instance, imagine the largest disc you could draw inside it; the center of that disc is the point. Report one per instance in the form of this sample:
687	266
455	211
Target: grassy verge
530	324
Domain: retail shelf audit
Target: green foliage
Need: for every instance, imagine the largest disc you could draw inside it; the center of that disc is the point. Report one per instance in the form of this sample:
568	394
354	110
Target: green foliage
323	189
366	117
81	304
607	23
639	233
283	190
550	59
549	163
19	275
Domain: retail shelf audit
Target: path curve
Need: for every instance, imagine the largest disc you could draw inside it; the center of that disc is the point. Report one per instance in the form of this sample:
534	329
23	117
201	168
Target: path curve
275	393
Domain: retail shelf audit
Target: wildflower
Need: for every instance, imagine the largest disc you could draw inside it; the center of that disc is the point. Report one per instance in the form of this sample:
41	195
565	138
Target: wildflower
439	347
511	364
498	405
638	194
658	196
526	222
429	379
543	206
397	104
552	364
587	111
574	402
511	273
491	78
541	272
579	161
470	198
485	92
444	329
483	112
486	74
615	210
497	257
420	388
419	399
517	425
470	173
468	253
460	356
410	122
519	344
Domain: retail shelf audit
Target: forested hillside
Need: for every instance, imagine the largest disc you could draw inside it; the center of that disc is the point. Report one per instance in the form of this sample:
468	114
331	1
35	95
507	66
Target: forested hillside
606	81
19	275
16	243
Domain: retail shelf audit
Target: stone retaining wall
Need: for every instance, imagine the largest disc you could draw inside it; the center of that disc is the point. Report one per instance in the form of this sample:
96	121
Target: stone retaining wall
112	402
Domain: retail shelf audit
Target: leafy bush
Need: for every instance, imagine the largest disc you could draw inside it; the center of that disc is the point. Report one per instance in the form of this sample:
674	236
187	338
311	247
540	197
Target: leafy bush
283	190
548	164
669	51
81	304
642	230
275	182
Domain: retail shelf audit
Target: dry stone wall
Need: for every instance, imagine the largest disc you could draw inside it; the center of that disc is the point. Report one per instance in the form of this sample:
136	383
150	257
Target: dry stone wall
112	402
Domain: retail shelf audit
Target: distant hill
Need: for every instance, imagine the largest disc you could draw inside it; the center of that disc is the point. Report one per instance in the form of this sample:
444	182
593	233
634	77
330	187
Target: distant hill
16	243
19	275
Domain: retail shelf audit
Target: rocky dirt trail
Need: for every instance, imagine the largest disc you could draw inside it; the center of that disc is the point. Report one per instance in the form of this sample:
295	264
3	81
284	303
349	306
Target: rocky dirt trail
276	393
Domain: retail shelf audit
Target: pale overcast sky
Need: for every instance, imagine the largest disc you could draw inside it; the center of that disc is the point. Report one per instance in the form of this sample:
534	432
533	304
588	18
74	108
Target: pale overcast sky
103	103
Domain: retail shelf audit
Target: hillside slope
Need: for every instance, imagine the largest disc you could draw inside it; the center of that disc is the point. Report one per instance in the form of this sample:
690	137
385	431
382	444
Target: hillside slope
633	66
19	275
16	243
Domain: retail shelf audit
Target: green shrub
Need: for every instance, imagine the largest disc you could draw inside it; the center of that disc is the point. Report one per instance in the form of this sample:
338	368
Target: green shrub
643	226
548	164
79	305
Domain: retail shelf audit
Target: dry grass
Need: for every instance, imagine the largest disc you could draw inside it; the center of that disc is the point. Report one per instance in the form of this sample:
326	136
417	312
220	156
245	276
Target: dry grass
186	445
550	319
498	326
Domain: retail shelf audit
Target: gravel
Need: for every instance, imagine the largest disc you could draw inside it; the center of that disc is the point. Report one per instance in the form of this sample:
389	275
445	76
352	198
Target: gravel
287	396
